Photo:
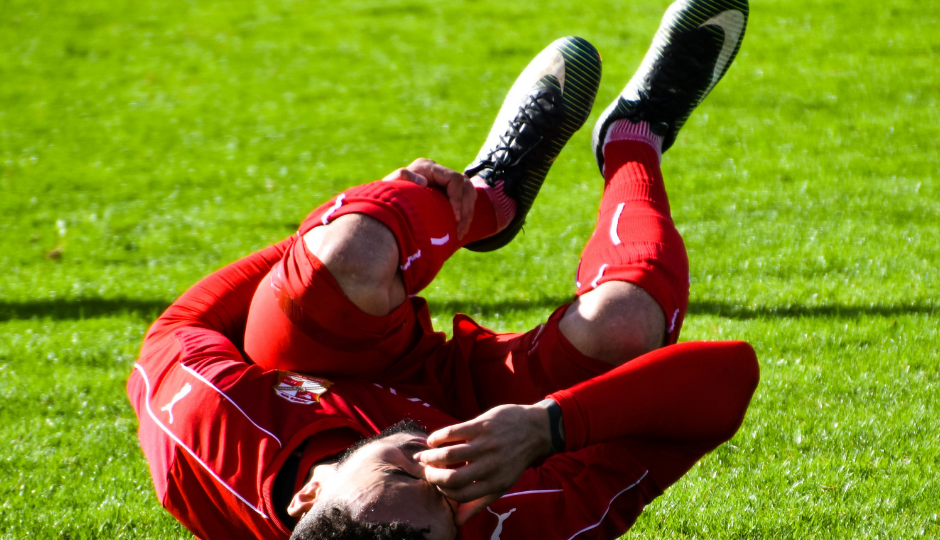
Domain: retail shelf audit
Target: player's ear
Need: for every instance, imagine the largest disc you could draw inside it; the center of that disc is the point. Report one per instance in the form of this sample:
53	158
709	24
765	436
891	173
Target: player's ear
304	499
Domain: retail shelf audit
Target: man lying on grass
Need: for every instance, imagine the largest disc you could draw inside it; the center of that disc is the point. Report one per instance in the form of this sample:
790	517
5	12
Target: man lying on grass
302	390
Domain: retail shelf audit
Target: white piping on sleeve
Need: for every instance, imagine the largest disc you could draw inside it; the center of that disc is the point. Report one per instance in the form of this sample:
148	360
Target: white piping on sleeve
196	374
626	489
532	492
176	439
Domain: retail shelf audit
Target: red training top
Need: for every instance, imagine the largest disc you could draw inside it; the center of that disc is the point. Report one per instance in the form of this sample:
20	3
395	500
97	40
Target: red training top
216	429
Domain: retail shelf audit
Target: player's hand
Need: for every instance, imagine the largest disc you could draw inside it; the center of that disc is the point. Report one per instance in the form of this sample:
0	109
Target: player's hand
460	192
491	452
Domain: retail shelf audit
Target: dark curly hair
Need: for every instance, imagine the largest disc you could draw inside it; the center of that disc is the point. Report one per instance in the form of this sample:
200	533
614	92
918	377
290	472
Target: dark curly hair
335	522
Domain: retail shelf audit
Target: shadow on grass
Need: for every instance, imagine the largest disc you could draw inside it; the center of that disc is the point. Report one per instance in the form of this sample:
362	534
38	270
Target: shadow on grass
84	308
93	308
722	309
837	311
494	307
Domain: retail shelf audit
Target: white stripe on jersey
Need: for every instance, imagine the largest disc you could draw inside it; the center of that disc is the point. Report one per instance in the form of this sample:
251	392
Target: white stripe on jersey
199	377
626	489
189	451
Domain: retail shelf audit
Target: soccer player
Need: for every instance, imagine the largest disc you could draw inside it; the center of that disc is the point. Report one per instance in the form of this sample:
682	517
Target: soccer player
302	390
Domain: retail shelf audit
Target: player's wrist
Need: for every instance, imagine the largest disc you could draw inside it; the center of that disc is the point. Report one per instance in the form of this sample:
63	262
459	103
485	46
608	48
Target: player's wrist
538	438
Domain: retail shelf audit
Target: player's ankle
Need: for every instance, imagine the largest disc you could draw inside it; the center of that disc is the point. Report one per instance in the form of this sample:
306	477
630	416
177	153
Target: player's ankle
625	130
627	142
504	207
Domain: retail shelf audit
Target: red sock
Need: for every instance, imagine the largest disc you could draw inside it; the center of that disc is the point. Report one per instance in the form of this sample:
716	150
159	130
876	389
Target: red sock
504	207
486	219
635	239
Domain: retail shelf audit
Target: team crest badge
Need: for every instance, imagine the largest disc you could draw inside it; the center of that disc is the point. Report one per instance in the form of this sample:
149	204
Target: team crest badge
300	389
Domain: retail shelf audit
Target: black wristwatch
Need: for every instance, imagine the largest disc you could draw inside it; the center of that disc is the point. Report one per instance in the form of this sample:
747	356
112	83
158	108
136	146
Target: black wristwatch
554	422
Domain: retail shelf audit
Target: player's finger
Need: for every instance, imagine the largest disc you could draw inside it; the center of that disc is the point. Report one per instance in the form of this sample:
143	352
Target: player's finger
453	182
455	433
466	510
430	169
394	175
455	195
420	166
448	455
406	176
455	481
448	179
443	176
466	213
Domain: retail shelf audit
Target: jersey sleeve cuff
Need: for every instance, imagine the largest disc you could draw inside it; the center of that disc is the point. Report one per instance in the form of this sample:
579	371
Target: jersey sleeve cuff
575	422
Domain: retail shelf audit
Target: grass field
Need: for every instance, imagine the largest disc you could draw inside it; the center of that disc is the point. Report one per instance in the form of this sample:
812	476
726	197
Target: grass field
144	144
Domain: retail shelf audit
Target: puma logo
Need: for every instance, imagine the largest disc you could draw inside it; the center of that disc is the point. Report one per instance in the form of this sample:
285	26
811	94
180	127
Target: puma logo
499	525
184	391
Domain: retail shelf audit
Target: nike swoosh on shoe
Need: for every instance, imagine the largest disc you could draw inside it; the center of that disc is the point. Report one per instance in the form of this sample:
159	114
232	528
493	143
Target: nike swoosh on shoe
731	23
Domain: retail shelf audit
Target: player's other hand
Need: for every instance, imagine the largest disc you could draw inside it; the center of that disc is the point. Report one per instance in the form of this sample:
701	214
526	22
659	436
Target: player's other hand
460	191
490	453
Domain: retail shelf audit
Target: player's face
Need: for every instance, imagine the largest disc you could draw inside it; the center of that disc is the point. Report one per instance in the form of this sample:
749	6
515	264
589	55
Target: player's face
383	483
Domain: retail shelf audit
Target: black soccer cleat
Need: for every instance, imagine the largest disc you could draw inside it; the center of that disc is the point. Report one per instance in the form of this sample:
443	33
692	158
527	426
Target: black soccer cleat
550	100
695	44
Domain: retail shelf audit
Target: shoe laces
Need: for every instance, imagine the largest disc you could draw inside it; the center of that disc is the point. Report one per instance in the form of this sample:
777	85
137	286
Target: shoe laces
536	116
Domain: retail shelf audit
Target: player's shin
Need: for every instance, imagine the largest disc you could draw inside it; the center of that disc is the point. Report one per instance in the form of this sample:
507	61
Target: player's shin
636	240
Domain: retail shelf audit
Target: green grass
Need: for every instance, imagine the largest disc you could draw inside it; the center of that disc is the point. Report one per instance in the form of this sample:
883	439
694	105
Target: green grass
144	144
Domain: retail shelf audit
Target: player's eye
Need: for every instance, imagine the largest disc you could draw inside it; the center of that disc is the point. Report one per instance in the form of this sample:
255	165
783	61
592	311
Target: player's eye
402	472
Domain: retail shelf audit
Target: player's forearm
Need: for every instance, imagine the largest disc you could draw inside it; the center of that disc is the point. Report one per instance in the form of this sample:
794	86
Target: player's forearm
221	300
696	391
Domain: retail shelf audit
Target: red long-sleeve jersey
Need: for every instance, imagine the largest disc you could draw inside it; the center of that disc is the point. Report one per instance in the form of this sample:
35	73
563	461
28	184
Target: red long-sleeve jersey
216	429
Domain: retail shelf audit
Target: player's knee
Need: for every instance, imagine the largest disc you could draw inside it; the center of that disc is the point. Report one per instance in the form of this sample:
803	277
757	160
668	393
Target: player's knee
746	368
615	323
362	255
